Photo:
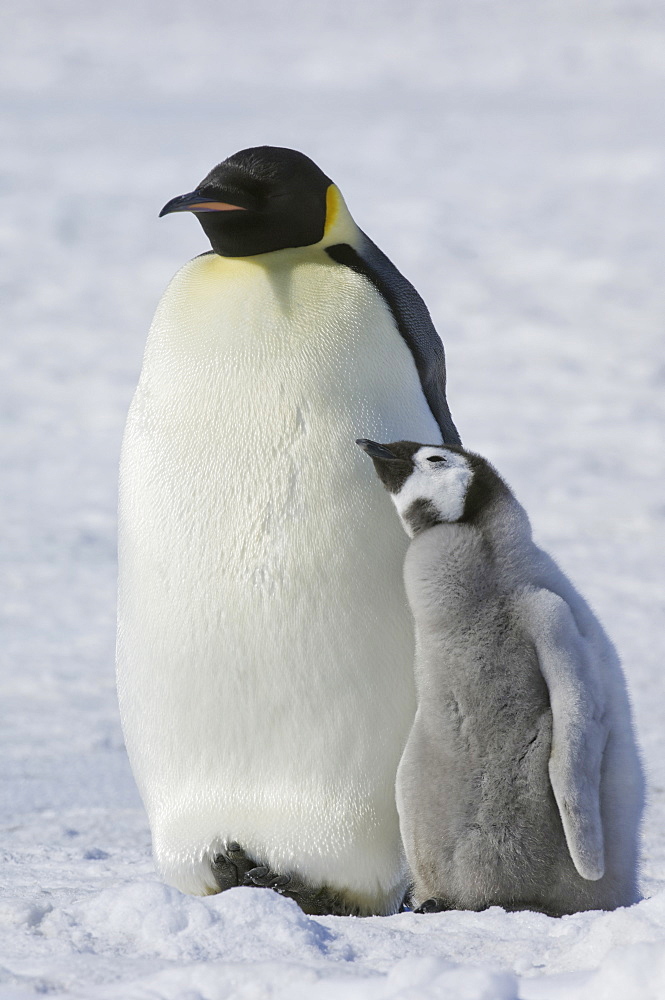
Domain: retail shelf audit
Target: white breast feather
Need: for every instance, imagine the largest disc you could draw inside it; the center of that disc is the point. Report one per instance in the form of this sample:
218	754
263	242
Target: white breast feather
265	647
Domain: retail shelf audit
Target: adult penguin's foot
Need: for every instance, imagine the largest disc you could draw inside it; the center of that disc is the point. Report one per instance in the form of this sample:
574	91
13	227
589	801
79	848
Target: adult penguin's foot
231	866
314	900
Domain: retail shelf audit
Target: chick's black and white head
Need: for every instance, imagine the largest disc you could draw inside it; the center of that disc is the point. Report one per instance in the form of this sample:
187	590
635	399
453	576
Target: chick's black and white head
259	200
429	484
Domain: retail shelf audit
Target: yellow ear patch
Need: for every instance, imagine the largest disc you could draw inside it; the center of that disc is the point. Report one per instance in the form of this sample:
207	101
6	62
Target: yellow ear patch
333	201
339	226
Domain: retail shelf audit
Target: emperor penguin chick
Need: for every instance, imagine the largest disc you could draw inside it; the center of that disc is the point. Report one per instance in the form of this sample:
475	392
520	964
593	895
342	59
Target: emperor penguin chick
520	784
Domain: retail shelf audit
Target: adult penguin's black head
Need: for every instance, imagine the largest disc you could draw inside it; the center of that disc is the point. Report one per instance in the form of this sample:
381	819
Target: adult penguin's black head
258	200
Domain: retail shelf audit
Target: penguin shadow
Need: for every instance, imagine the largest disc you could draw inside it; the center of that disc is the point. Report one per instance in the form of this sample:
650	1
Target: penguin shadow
280	280
435	904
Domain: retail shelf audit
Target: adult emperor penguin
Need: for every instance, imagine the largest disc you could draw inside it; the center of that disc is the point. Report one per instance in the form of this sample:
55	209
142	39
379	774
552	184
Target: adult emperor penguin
265	650
521	784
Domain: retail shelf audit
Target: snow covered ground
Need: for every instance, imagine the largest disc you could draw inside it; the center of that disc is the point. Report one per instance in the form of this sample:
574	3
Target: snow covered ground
509	156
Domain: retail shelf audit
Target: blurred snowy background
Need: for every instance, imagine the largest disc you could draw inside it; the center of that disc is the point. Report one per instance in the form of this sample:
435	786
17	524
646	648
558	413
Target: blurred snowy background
510	158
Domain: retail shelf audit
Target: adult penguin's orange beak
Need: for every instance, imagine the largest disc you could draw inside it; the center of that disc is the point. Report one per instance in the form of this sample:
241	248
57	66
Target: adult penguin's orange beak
195	201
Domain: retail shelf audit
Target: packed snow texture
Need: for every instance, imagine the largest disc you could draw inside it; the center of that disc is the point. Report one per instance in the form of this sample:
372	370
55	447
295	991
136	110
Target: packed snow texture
509	158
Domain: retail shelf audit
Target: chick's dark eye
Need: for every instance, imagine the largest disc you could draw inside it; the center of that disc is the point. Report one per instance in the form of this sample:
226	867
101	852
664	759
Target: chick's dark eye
435	458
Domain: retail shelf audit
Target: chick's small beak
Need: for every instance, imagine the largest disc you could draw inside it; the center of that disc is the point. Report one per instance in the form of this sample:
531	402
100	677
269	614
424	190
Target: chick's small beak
376	450
197	202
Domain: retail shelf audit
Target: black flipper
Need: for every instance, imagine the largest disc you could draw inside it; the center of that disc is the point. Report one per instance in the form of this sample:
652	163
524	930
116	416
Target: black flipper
413	322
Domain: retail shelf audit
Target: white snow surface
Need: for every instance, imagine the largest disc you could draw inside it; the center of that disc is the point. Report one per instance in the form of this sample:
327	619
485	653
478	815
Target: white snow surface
509	157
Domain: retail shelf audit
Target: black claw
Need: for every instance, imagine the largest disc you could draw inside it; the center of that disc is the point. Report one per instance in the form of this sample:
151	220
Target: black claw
229	867
265	879
225	872
259	872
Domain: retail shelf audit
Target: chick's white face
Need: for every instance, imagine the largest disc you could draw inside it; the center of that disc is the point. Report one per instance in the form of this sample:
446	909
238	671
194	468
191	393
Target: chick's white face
436	489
